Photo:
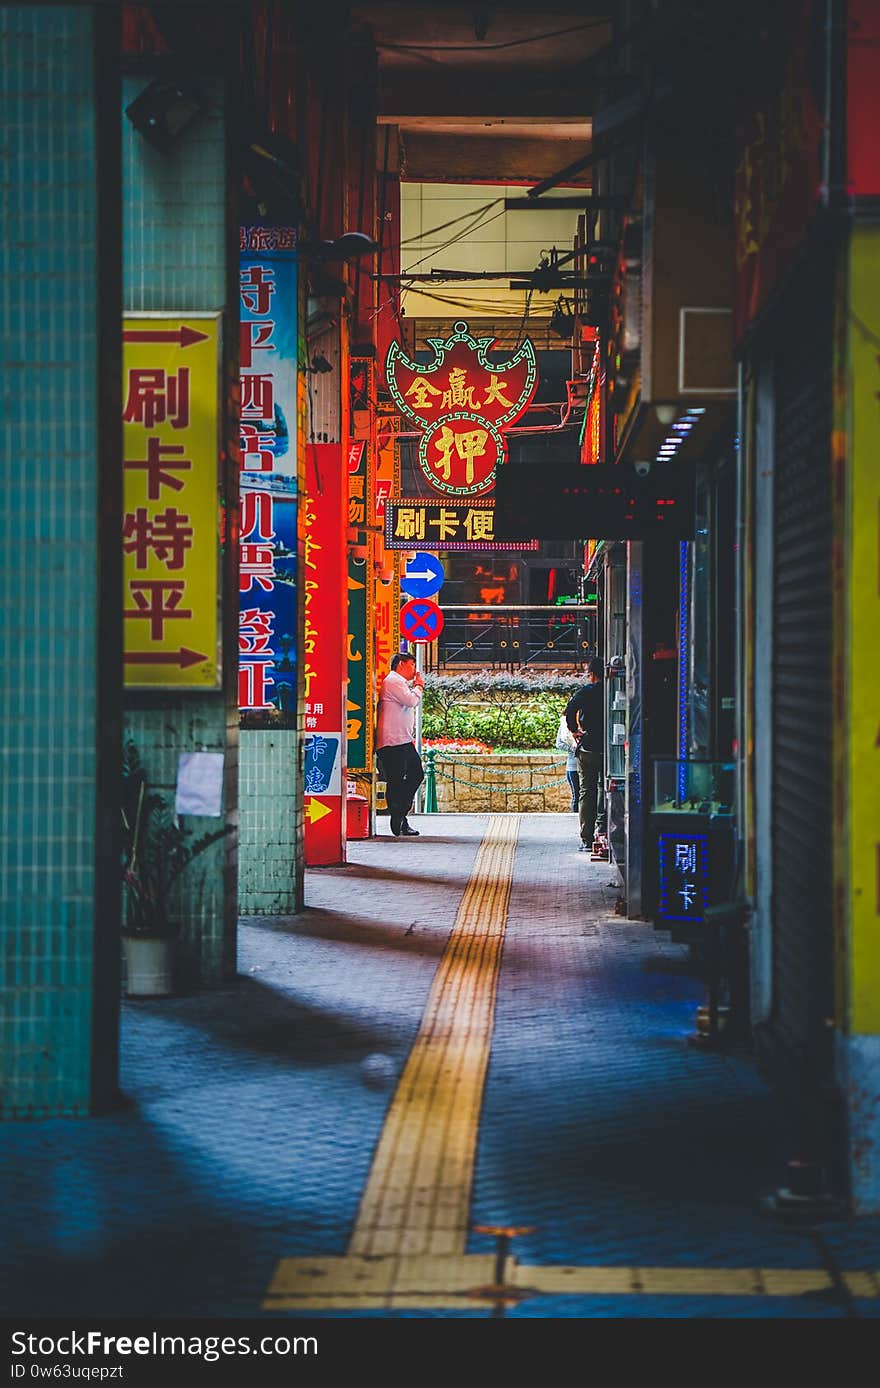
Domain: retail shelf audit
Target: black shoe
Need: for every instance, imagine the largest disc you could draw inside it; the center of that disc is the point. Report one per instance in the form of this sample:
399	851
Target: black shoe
407	831
395	826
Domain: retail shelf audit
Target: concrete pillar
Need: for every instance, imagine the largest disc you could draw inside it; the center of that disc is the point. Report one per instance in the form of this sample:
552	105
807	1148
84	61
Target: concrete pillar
60	588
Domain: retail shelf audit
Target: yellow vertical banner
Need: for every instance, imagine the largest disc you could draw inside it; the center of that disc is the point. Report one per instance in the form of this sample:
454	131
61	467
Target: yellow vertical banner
170	540
863	672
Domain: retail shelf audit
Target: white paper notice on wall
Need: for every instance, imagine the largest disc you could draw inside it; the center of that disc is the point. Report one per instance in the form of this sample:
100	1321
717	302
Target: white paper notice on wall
199	783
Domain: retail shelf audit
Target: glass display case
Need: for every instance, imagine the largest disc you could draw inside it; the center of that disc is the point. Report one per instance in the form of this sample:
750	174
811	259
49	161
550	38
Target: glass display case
615	717
693	787
692	865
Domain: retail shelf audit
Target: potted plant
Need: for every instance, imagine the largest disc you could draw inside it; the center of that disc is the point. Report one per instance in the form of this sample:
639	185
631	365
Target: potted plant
156	851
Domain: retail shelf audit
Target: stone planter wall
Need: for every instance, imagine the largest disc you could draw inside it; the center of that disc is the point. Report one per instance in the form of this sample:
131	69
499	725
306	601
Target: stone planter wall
526	781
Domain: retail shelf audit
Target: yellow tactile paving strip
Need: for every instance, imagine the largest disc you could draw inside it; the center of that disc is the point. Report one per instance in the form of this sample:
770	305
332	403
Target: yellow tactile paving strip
409	1236
672	1281
418	1192
443	1283
407	1250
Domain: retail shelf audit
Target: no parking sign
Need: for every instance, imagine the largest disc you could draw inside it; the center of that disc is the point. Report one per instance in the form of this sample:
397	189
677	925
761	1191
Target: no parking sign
421	620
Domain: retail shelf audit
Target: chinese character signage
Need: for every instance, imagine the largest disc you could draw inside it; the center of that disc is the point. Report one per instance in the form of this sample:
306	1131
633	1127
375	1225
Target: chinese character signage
863	147
267	570
778	175
322	524
170	539
359	722
592	446
684	878
462	402
385	595
411	523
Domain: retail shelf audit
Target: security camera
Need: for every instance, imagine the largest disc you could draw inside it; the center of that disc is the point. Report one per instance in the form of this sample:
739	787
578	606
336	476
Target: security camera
642	467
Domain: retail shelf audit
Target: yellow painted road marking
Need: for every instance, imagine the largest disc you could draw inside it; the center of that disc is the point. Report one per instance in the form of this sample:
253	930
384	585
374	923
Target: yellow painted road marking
407	1250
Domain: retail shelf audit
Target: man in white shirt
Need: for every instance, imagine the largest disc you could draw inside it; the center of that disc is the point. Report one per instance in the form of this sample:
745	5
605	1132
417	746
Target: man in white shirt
399	762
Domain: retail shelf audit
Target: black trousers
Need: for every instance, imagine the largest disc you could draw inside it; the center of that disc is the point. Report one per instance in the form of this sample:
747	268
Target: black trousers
589	765
403	771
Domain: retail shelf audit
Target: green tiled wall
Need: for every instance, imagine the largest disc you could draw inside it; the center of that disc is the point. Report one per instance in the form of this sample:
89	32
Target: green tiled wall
270	824
174	260
174	252
48	556
205	954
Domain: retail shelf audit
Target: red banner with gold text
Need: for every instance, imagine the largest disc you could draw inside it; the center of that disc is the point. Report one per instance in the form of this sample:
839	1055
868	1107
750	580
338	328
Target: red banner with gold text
323	520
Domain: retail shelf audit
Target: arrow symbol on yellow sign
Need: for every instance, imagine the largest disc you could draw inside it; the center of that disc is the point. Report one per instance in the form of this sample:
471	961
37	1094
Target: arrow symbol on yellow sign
182	657
315	810
183	336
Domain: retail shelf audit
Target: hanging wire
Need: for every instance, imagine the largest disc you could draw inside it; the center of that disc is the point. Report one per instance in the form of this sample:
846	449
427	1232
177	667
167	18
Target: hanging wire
432	231
523	320
483	306
478	226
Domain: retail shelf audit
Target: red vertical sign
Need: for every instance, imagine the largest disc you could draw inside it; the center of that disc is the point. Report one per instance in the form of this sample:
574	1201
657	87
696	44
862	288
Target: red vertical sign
862	105
778	172
324	651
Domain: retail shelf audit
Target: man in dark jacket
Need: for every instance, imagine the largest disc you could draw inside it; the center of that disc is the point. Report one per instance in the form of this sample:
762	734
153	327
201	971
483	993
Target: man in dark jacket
585	716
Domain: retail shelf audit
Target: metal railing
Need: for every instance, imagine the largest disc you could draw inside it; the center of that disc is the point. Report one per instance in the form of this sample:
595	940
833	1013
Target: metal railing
509	636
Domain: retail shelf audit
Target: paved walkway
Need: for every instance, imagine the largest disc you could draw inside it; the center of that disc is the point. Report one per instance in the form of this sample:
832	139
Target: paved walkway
457	1084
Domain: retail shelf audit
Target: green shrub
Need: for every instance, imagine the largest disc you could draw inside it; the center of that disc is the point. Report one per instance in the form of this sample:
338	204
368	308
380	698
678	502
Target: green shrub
500	709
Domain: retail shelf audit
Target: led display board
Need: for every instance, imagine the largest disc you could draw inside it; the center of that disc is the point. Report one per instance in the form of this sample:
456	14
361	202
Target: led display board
573	501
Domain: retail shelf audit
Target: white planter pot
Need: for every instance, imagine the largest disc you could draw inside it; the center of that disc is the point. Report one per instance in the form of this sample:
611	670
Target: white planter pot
148	966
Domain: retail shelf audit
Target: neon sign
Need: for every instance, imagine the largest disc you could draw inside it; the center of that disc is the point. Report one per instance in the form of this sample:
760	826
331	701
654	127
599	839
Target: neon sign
462	403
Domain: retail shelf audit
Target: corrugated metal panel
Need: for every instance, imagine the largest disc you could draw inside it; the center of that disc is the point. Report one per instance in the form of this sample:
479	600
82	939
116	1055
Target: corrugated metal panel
802	709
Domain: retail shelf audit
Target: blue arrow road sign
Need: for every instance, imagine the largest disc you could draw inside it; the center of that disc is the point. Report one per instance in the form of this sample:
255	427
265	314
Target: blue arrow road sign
423	576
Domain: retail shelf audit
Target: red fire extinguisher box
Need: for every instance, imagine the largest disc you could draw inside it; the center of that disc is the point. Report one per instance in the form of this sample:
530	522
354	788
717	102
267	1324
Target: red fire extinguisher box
357	821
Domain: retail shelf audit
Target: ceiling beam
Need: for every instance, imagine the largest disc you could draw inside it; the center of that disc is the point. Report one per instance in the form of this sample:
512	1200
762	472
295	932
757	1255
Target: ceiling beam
512	94
471	159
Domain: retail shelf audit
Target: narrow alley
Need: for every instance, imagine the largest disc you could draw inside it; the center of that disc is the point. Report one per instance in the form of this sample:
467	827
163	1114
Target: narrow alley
439	733
456	1062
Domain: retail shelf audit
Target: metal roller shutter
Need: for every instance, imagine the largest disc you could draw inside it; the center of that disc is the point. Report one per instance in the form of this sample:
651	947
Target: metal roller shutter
802	704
